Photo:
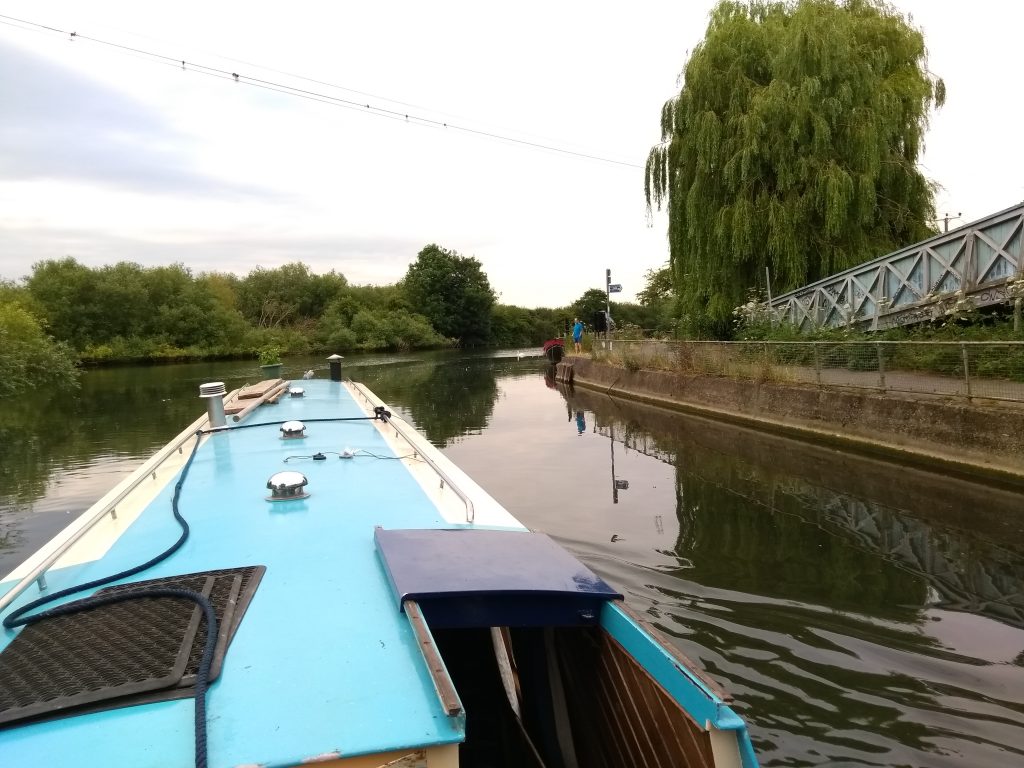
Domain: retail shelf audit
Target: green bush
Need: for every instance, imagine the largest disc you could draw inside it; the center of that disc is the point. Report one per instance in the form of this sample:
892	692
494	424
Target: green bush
269	354
395	329
28	356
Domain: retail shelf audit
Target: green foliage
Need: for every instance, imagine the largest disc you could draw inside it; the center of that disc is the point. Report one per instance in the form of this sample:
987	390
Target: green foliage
453	293
793	145
269	298
66	290
11	293
629	331
374	318
592	301
659	300
658	286
627	313
339	338
394	329
126	312
269	354
28	357
519	327
857	350
91	308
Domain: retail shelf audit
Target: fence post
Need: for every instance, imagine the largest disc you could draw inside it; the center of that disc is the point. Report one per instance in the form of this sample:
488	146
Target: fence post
881	366
967	371
817	362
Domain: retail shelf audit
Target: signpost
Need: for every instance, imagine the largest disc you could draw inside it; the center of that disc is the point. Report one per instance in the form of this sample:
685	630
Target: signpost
609	289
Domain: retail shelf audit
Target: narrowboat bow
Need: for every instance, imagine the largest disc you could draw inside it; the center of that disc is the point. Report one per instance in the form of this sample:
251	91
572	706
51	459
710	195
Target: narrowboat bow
300	577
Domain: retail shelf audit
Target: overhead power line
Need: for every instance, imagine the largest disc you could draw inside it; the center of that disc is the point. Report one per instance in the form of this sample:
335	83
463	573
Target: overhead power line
324	98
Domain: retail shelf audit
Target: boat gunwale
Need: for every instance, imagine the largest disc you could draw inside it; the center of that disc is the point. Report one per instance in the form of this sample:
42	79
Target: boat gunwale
58	546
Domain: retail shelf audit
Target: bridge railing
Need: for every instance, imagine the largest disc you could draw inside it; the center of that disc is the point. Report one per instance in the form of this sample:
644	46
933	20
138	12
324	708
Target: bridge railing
977	262
984	370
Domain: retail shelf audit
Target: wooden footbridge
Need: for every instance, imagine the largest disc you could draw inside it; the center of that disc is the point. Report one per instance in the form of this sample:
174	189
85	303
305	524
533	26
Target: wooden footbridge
977	265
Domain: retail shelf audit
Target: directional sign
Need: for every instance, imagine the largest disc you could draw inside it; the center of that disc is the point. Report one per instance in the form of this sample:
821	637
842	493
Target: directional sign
615	288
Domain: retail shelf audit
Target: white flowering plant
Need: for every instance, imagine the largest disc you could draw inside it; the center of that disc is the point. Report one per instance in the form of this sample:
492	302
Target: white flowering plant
755	319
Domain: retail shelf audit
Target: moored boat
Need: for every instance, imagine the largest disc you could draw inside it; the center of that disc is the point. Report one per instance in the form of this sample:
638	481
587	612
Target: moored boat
554	349
301	577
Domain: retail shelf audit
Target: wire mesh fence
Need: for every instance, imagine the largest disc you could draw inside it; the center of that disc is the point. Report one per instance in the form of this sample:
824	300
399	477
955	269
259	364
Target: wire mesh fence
989	370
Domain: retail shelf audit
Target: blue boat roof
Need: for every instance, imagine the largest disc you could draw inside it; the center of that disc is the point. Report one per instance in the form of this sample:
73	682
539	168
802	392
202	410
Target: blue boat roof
324	662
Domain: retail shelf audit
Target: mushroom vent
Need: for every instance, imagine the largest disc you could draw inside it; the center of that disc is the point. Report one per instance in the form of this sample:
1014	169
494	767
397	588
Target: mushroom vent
297	392
213	389
293	430
287	485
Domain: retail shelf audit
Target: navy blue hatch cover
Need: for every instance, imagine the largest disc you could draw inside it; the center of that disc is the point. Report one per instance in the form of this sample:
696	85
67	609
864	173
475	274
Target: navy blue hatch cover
467	577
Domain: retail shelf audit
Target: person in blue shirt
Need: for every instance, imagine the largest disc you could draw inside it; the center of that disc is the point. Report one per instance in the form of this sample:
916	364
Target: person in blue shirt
577	335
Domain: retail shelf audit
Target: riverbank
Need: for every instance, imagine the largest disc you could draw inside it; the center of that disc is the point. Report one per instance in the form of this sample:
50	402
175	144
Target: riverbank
967	439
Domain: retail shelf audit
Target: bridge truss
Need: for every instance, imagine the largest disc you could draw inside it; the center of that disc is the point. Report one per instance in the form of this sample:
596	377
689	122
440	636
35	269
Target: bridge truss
977	262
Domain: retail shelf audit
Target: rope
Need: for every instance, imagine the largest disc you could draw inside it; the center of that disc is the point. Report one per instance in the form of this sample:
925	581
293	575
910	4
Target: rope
18	618
205	662
217	430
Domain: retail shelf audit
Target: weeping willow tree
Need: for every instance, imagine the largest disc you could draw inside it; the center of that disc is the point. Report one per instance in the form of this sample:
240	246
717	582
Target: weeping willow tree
792	145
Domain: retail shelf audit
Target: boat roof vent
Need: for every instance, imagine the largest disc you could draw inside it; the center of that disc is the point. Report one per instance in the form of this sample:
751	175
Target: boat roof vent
297	392
287	485
292	430
213	389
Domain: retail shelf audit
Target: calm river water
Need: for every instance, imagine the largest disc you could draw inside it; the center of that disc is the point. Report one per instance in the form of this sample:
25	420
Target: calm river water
861	613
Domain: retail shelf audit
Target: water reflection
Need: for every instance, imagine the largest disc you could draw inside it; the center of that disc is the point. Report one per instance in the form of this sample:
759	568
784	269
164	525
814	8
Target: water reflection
831	527
445	398
860	615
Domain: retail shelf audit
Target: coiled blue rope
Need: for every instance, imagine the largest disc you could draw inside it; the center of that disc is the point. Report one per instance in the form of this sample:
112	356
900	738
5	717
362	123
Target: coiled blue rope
18	618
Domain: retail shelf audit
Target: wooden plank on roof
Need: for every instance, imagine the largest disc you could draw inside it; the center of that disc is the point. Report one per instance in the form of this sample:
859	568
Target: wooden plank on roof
258	390
234	406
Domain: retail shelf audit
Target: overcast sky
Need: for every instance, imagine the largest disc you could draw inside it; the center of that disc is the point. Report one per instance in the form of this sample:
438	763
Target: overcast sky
108	156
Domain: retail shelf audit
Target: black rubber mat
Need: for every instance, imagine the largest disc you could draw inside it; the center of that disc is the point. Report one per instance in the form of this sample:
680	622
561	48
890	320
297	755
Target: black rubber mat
231	595
122	654
95	655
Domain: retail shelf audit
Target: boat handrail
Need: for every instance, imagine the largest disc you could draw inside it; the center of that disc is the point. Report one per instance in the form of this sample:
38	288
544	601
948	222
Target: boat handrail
470	509
38	573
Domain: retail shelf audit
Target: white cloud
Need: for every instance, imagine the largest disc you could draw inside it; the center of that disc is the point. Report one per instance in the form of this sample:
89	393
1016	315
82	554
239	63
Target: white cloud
62	126
107	157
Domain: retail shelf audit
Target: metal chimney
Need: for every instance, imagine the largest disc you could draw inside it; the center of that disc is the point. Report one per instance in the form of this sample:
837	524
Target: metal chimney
335	364
214	395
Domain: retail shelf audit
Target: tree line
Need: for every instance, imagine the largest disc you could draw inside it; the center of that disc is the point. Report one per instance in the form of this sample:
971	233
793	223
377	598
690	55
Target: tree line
65	311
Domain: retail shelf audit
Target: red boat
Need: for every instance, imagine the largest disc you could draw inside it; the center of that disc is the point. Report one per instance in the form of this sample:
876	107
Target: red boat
554	349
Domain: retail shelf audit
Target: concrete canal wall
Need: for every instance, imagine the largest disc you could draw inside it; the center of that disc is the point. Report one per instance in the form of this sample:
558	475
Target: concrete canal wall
964	438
